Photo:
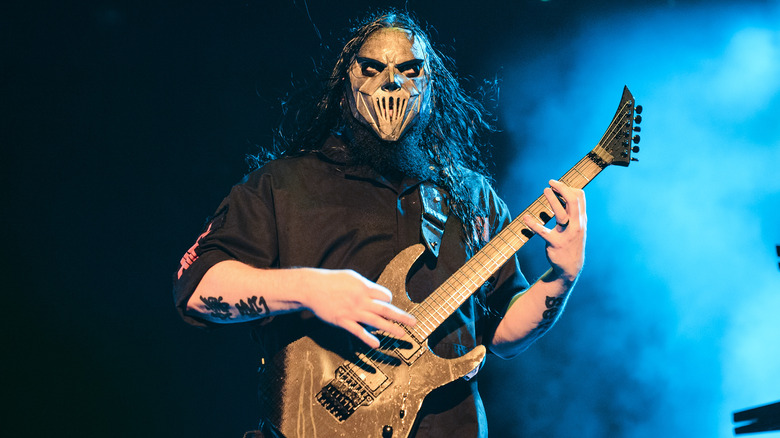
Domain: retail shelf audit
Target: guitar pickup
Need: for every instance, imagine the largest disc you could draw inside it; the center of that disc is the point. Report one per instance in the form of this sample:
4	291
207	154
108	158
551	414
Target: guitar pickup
370	376
408	348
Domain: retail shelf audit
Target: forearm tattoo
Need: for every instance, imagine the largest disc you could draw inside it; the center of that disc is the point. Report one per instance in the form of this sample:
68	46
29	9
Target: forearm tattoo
252	307
553	305
218	308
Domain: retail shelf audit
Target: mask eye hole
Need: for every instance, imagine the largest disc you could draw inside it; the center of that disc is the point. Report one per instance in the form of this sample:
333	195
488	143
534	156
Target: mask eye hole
370	68
411	69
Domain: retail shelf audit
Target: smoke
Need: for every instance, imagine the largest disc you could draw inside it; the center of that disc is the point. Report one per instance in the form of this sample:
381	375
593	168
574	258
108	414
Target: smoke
674	324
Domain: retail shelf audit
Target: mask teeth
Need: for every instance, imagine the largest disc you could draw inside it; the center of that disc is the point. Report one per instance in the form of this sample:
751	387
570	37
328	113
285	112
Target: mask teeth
391	109
382	101
401	107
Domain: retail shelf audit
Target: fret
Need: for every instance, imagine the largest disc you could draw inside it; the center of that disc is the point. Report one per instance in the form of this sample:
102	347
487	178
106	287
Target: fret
424	321
470	268
519	237
428	307
581	174
505	245
576	180
437	315
477	259
458	277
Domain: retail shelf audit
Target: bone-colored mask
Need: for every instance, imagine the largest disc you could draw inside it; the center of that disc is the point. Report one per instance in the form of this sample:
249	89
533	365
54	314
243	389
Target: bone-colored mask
389	81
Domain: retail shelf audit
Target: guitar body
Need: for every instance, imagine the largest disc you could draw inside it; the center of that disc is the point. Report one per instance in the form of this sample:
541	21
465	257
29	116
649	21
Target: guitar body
327	385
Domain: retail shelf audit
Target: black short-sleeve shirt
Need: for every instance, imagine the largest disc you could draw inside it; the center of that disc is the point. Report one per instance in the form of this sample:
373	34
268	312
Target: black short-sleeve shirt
315	211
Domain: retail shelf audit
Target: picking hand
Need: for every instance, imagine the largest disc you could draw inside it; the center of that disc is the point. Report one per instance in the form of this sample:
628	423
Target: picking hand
346	299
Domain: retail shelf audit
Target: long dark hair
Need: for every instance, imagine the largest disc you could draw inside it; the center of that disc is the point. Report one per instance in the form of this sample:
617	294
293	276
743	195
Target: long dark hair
451	137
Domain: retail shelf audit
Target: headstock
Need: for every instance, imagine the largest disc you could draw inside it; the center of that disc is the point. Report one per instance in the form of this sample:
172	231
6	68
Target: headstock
616	143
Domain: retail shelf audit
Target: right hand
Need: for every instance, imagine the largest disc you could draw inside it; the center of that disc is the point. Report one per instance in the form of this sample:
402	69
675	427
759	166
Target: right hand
346	299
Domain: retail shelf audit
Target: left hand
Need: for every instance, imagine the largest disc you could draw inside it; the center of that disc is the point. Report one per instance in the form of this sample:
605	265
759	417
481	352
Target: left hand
566	240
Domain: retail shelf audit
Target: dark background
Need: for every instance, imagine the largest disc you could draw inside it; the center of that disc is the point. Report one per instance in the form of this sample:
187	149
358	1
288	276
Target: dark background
123	126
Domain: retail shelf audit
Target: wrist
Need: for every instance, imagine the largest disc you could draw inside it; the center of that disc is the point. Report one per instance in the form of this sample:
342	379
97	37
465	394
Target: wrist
301	284
559	276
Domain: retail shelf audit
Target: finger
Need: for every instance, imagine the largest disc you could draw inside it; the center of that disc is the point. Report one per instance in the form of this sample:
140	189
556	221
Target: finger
376	322
576	210
566	195
537	227
561	217
562	191
361	333
389	311
578	213
378	292
574	201
372	289
569	194
558	186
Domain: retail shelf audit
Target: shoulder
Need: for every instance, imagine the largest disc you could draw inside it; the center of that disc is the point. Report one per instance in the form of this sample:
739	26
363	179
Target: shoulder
285	170
476	180
480	188
329	159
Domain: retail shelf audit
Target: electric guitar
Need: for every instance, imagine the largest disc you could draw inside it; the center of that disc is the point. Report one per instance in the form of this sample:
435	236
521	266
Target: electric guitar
326	386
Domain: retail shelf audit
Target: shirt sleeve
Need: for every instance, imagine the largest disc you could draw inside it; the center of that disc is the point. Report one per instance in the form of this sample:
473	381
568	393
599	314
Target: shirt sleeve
243	228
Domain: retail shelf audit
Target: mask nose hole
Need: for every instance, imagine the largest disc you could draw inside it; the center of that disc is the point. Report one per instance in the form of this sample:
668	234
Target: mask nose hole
391	86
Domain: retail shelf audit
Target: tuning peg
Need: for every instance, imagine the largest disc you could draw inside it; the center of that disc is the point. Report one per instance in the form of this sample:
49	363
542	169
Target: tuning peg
634	159
638	109
637	128
636	139
635	149
638	119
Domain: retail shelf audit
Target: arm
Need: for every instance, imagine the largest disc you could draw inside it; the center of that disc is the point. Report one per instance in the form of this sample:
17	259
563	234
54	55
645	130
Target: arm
231	292
532	312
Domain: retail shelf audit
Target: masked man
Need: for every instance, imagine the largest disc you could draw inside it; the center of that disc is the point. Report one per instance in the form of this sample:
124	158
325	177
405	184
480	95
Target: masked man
387	162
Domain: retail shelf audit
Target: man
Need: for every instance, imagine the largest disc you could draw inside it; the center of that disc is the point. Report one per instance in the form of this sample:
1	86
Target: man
386	162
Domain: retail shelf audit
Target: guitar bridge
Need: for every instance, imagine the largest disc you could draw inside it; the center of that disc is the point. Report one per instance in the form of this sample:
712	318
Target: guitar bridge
350	389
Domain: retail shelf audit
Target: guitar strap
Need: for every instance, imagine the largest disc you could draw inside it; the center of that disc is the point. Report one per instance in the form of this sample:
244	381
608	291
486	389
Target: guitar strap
434	215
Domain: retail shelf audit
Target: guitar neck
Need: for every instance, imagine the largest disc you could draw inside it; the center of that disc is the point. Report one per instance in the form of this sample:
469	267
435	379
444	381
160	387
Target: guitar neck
471	276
